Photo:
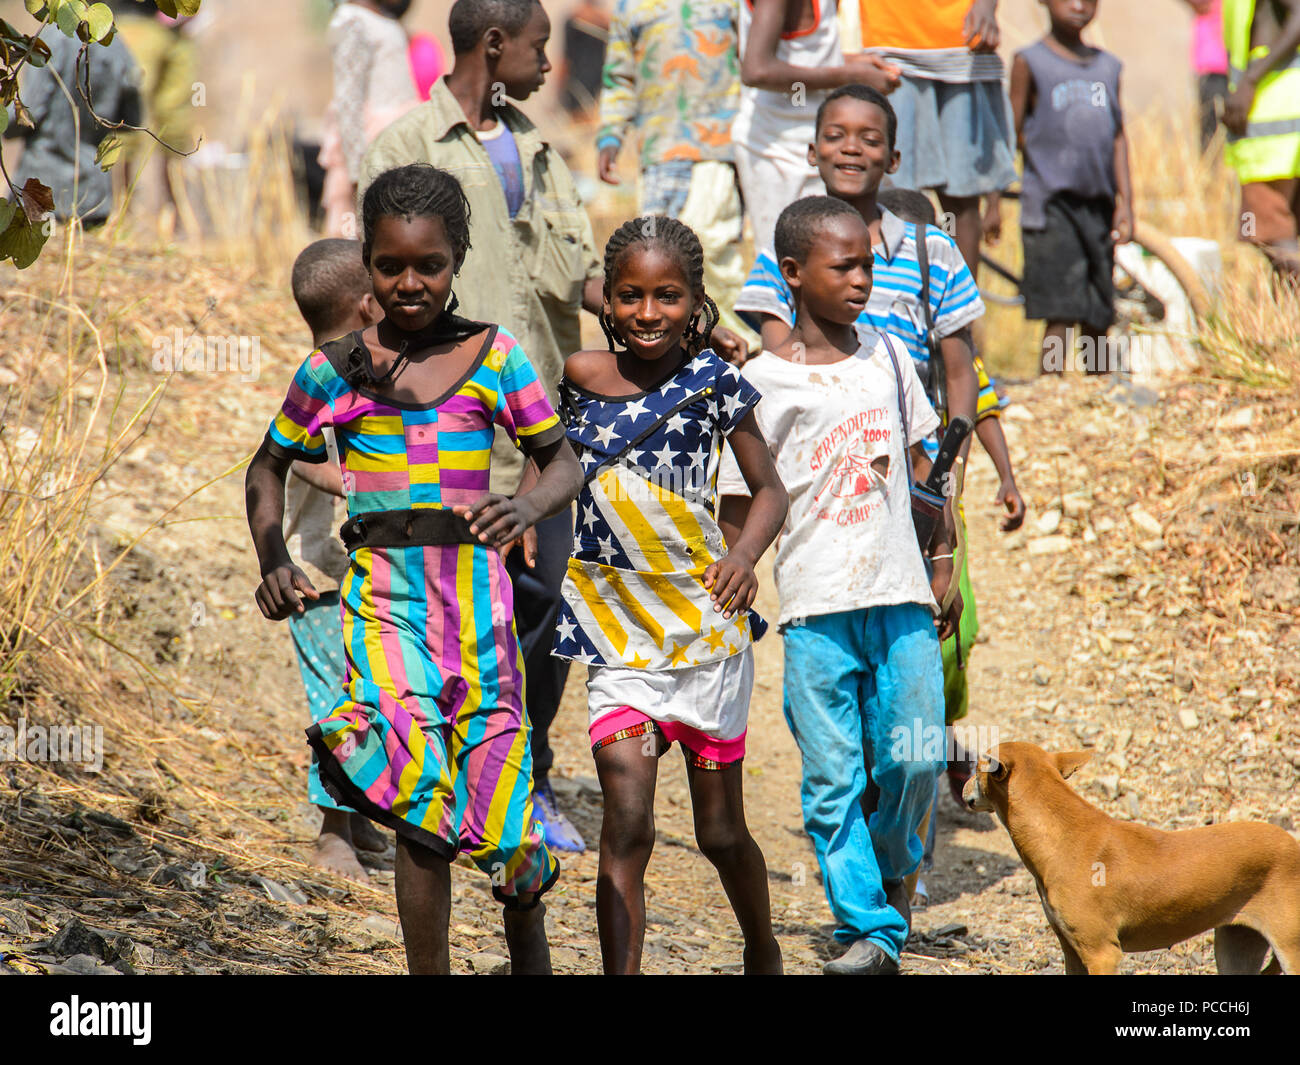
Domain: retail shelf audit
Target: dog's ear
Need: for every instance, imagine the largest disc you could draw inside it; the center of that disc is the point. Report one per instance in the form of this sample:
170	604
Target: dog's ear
1068	761
997	770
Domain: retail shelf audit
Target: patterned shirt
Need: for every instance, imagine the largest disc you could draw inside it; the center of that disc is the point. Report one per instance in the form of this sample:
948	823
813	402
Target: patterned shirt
671	73
401	456
634	593
526	272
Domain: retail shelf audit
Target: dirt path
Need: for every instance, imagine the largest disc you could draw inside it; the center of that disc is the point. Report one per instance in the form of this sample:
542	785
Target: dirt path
1122	618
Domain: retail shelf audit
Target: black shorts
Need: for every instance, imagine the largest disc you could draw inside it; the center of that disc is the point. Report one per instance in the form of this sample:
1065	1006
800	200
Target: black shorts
1070	265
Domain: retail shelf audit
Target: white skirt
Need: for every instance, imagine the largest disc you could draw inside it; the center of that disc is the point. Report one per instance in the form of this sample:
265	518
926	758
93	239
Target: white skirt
712	698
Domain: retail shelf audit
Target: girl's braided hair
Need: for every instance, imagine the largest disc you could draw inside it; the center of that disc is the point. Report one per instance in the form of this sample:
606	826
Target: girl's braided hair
419	190
677	240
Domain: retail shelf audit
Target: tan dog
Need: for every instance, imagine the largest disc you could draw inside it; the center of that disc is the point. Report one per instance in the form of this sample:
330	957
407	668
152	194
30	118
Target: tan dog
1109	887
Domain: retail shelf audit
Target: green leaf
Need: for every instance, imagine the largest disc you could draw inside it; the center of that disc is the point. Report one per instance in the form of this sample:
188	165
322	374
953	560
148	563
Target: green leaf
187	7
4	119
67	18
167	7
22	240
35	8
108	151
99	17
7	209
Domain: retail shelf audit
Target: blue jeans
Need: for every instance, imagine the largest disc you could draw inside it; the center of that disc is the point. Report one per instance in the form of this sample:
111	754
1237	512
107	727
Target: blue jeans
866	677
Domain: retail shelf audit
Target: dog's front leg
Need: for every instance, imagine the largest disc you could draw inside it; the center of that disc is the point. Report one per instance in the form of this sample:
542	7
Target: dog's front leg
1073	963
1102	959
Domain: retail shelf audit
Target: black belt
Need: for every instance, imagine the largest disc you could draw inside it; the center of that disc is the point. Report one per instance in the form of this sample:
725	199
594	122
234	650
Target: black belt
406	528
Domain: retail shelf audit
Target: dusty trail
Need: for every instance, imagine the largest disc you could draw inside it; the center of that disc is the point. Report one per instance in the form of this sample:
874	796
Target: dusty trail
1103	625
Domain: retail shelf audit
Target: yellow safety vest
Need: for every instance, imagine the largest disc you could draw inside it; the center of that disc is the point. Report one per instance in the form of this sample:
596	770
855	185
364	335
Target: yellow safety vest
1270	150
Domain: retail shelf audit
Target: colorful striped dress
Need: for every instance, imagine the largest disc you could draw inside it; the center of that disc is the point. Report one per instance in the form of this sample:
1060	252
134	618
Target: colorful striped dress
429	735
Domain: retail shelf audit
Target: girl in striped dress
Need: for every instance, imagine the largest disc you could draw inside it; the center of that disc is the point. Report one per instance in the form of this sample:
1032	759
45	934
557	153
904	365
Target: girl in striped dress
656	602
429	735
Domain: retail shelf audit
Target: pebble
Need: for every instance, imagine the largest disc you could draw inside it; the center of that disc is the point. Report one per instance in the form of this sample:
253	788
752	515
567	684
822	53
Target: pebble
1049	545
485	963
1049	522
1187	718
1144	521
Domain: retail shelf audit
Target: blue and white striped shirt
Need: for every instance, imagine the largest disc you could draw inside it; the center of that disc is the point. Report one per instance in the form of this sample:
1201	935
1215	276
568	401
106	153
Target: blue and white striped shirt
894	305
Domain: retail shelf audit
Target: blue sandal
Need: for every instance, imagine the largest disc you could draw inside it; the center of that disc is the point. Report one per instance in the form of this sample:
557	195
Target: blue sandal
559	830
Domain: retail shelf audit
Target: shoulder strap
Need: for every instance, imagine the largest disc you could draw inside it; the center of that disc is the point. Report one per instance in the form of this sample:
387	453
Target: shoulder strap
923	261
902	407
644	435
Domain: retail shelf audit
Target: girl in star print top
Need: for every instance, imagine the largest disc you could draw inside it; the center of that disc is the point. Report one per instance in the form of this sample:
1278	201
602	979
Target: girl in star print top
656	603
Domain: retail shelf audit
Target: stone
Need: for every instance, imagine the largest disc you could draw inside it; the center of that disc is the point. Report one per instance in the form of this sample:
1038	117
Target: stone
74	938
1109	784
485	963
1048	522
1187	718
1042	676
1145	521
381	931
1049	545
1240	418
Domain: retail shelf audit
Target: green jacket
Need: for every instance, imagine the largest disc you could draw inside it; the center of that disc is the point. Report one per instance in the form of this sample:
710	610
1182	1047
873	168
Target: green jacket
525	273
1270	150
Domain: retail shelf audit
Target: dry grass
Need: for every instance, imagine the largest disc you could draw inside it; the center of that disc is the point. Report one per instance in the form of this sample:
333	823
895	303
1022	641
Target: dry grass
83	399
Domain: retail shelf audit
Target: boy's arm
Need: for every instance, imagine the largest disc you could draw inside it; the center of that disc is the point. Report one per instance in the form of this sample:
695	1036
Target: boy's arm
618	103
959	367
731	579
1236	109
761	69
1122	227
1021	85
282	581
981	25
324	476
989	430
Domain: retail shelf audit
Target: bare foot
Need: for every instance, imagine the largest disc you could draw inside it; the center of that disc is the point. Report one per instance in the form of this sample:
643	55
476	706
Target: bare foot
365	837
335	854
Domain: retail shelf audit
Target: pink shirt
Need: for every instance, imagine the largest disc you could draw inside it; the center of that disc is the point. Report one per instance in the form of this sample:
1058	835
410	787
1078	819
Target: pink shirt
1209	53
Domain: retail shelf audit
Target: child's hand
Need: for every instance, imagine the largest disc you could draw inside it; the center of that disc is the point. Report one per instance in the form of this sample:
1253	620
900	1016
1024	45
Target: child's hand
606	165
732	584
526	543
871	70
496	520
991	223
981	27
1121	231
277	595
727	345
941	577
1238	105
1009	497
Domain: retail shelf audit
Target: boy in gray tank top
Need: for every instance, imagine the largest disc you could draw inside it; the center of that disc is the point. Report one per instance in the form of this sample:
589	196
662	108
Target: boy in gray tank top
1077	199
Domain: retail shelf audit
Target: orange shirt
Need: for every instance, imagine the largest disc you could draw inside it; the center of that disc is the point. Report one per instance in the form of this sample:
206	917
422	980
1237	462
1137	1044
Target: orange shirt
913	23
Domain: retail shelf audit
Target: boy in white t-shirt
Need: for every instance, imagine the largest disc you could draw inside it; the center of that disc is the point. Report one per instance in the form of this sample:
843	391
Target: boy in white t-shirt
858	608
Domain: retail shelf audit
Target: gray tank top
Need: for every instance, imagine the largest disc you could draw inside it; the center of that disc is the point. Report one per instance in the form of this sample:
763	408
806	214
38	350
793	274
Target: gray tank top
1070	134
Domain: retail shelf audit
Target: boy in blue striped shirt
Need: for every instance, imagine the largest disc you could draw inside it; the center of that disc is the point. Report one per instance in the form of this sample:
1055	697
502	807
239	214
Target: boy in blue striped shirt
854	149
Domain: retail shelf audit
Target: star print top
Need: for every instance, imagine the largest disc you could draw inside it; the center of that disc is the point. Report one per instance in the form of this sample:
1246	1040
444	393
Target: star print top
634	592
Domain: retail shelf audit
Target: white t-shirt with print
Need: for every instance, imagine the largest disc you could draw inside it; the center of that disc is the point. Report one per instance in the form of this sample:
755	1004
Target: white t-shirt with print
835	436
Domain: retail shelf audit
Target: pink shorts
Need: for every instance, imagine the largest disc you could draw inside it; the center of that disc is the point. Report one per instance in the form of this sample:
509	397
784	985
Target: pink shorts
702	750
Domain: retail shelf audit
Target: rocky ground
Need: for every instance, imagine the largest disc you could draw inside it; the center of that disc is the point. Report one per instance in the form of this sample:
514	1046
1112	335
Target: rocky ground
1148	611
